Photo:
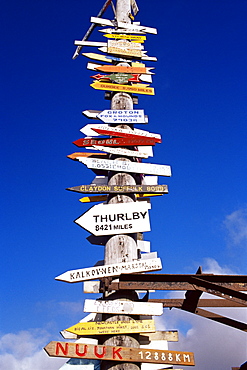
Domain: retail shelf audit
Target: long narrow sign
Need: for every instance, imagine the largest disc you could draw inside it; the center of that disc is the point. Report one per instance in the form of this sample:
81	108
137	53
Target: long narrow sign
85	154
123	307
128	26
123	69
124	166
110	219
137	88
113	327
104	58
116	131
102	198
124	354
115	142
118	36
122	151
122	116
114	189
97	272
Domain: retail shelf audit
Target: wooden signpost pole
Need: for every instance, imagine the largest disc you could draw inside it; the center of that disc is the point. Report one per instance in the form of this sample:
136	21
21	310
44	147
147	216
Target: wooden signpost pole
121	248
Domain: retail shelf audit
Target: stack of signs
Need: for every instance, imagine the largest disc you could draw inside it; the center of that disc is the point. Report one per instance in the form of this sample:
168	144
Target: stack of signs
123	151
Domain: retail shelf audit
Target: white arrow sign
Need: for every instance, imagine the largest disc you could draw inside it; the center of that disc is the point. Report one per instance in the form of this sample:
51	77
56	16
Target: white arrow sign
126	166
123	307
93	114
88	129
110	219
122	116
121	132
97	272
128	26
121	151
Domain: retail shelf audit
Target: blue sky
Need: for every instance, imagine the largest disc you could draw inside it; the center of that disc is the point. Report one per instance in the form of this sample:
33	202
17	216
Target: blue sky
199	109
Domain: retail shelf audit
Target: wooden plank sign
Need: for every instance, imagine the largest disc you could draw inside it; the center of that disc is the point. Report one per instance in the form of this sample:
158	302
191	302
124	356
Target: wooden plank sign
127	26
123	307
124	166
102	198
122	116
113	327
136	89
119	30
97	272
87	142
168	335
116	131
121	151
86	154
121	218
125	48
123	69
124	354
133	38
105	58
114	189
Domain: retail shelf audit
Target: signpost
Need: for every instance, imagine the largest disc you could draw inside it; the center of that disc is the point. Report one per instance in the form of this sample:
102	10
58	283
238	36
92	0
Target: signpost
113	327
125	166
114	142
137	88
109	219
123	307
115	189
123	354
91	273
124	69
133	38
122	151
124	26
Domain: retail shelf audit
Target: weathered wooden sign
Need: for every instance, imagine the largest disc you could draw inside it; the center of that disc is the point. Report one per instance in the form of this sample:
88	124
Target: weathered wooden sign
124	354
89	43
110	219
123	69
104	58
168	335
124	47
127	26
119	30
134	7
118	36
130	53
137	88
113	327
123	78
86	154
122	116
122	151
87	142
123	307
116	131
97	272
114	189
126	166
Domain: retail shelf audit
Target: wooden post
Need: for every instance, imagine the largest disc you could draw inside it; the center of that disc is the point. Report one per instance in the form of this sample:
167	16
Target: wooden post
121	248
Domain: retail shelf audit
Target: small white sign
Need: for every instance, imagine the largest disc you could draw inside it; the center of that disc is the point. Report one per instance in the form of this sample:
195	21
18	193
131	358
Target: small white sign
120	218
123	307
121	151
126	166
127	133
91	273
122	116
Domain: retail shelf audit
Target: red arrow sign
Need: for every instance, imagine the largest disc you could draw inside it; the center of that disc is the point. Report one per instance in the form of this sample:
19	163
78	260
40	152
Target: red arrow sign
134	78
115	142
124	134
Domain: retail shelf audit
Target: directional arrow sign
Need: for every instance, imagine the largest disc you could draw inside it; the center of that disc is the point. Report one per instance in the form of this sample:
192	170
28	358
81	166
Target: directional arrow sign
124	166
133	38
123	354
104	58
123	307
87	142
122	116
110	219
116	131
122	151
86	154
102	198
113	30
114	189
97	272
127	26
87	130
113	327
123	69
137	88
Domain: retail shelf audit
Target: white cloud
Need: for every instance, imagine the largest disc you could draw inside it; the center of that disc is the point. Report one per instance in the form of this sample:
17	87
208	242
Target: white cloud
236	227
24	351
211	266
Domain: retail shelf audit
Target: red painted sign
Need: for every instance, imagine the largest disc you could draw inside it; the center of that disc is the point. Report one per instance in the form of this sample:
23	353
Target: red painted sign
124	134
115	142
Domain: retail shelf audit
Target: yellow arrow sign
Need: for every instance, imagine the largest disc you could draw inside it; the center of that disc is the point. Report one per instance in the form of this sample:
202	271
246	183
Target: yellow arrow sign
134	38
101	198
137	88
113	327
